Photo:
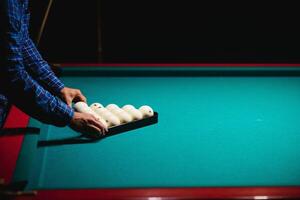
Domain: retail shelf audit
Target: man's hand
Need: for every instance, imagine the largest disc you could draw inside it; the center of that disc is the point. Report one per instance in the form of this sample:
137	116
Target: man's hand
87	124
70	95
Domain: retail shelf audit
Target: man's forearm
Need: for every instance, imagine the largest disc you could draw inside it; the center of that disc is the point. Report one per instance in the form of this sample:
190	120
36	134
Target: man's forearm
40	69
30	97
16	84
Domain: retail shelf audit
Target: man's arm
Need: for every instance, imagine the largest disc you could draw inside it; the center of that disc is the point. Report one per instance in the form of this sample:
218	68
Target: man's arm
39	68
35	64
41	71
20	88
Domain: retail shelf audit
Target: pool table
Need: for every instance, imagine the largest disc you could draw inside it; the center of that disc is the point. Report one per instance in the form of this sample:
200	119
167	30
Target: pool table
224	131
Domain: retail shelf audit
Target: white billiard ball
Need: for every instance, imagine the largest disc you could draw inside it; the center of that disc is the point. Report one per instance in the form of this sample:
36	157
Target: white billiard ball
138	115
100	118
96	105
147	111
131	110
112	107
128	107
125	117
122	115
109	118
113	120
103	121
84	108
99	110
81	107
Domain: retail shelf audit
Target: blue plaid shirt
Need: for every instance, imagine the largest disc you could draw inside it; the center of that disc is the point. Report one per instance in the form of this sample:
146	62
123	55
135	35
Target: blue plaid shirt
26	80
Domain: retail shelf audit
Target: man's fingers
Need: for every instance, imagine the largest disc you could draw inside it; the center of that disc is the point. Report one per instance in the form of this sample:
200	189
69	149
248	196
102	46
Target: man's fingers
69	102
88	124
99	125
91	129
97	120
82	98
79	97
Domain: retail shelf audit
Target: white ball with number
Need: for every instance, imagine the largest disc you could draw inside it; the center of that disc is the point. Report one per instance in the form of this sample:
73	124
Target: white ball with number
147	111
111	107
96	105
128	107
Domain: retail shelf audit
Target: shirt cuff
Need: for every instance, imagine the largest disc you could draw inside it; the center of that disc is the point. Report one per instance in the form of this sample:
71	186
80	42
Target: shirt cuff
65	112
57	87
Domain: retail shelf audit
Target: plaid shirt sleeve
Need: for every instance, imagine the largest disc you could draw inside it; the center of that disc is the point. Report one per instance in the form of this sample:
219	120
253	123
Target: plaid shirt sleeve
39	68
20	88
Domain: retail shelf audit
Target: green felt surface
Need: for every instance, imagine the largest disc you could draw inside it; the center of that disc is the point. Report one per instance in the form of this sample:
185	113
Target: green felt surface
212	131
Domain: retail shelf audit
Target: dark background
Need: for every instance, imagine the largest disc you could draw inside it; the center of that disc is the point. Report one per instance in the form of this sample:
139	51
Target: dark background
168	31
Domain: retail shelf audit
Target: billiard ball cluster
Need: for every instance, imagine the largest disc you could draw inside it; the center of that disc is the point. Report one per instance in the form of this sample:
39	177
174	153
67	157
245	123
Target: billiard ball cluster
112	115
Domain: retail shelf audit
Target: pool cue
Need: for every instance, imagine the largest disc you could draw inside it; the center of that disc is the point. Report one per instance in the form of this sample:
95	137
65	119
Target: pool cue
40	33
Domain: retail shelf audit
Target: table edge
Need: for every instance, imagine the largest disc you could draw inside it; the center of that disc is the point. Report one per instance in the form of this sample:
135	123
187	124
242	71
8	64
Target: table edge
174	193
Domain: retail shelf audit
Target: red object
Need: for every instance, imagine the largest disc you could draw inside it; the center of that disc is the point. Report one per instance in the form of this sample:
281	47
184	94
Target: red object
171	193
10	147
